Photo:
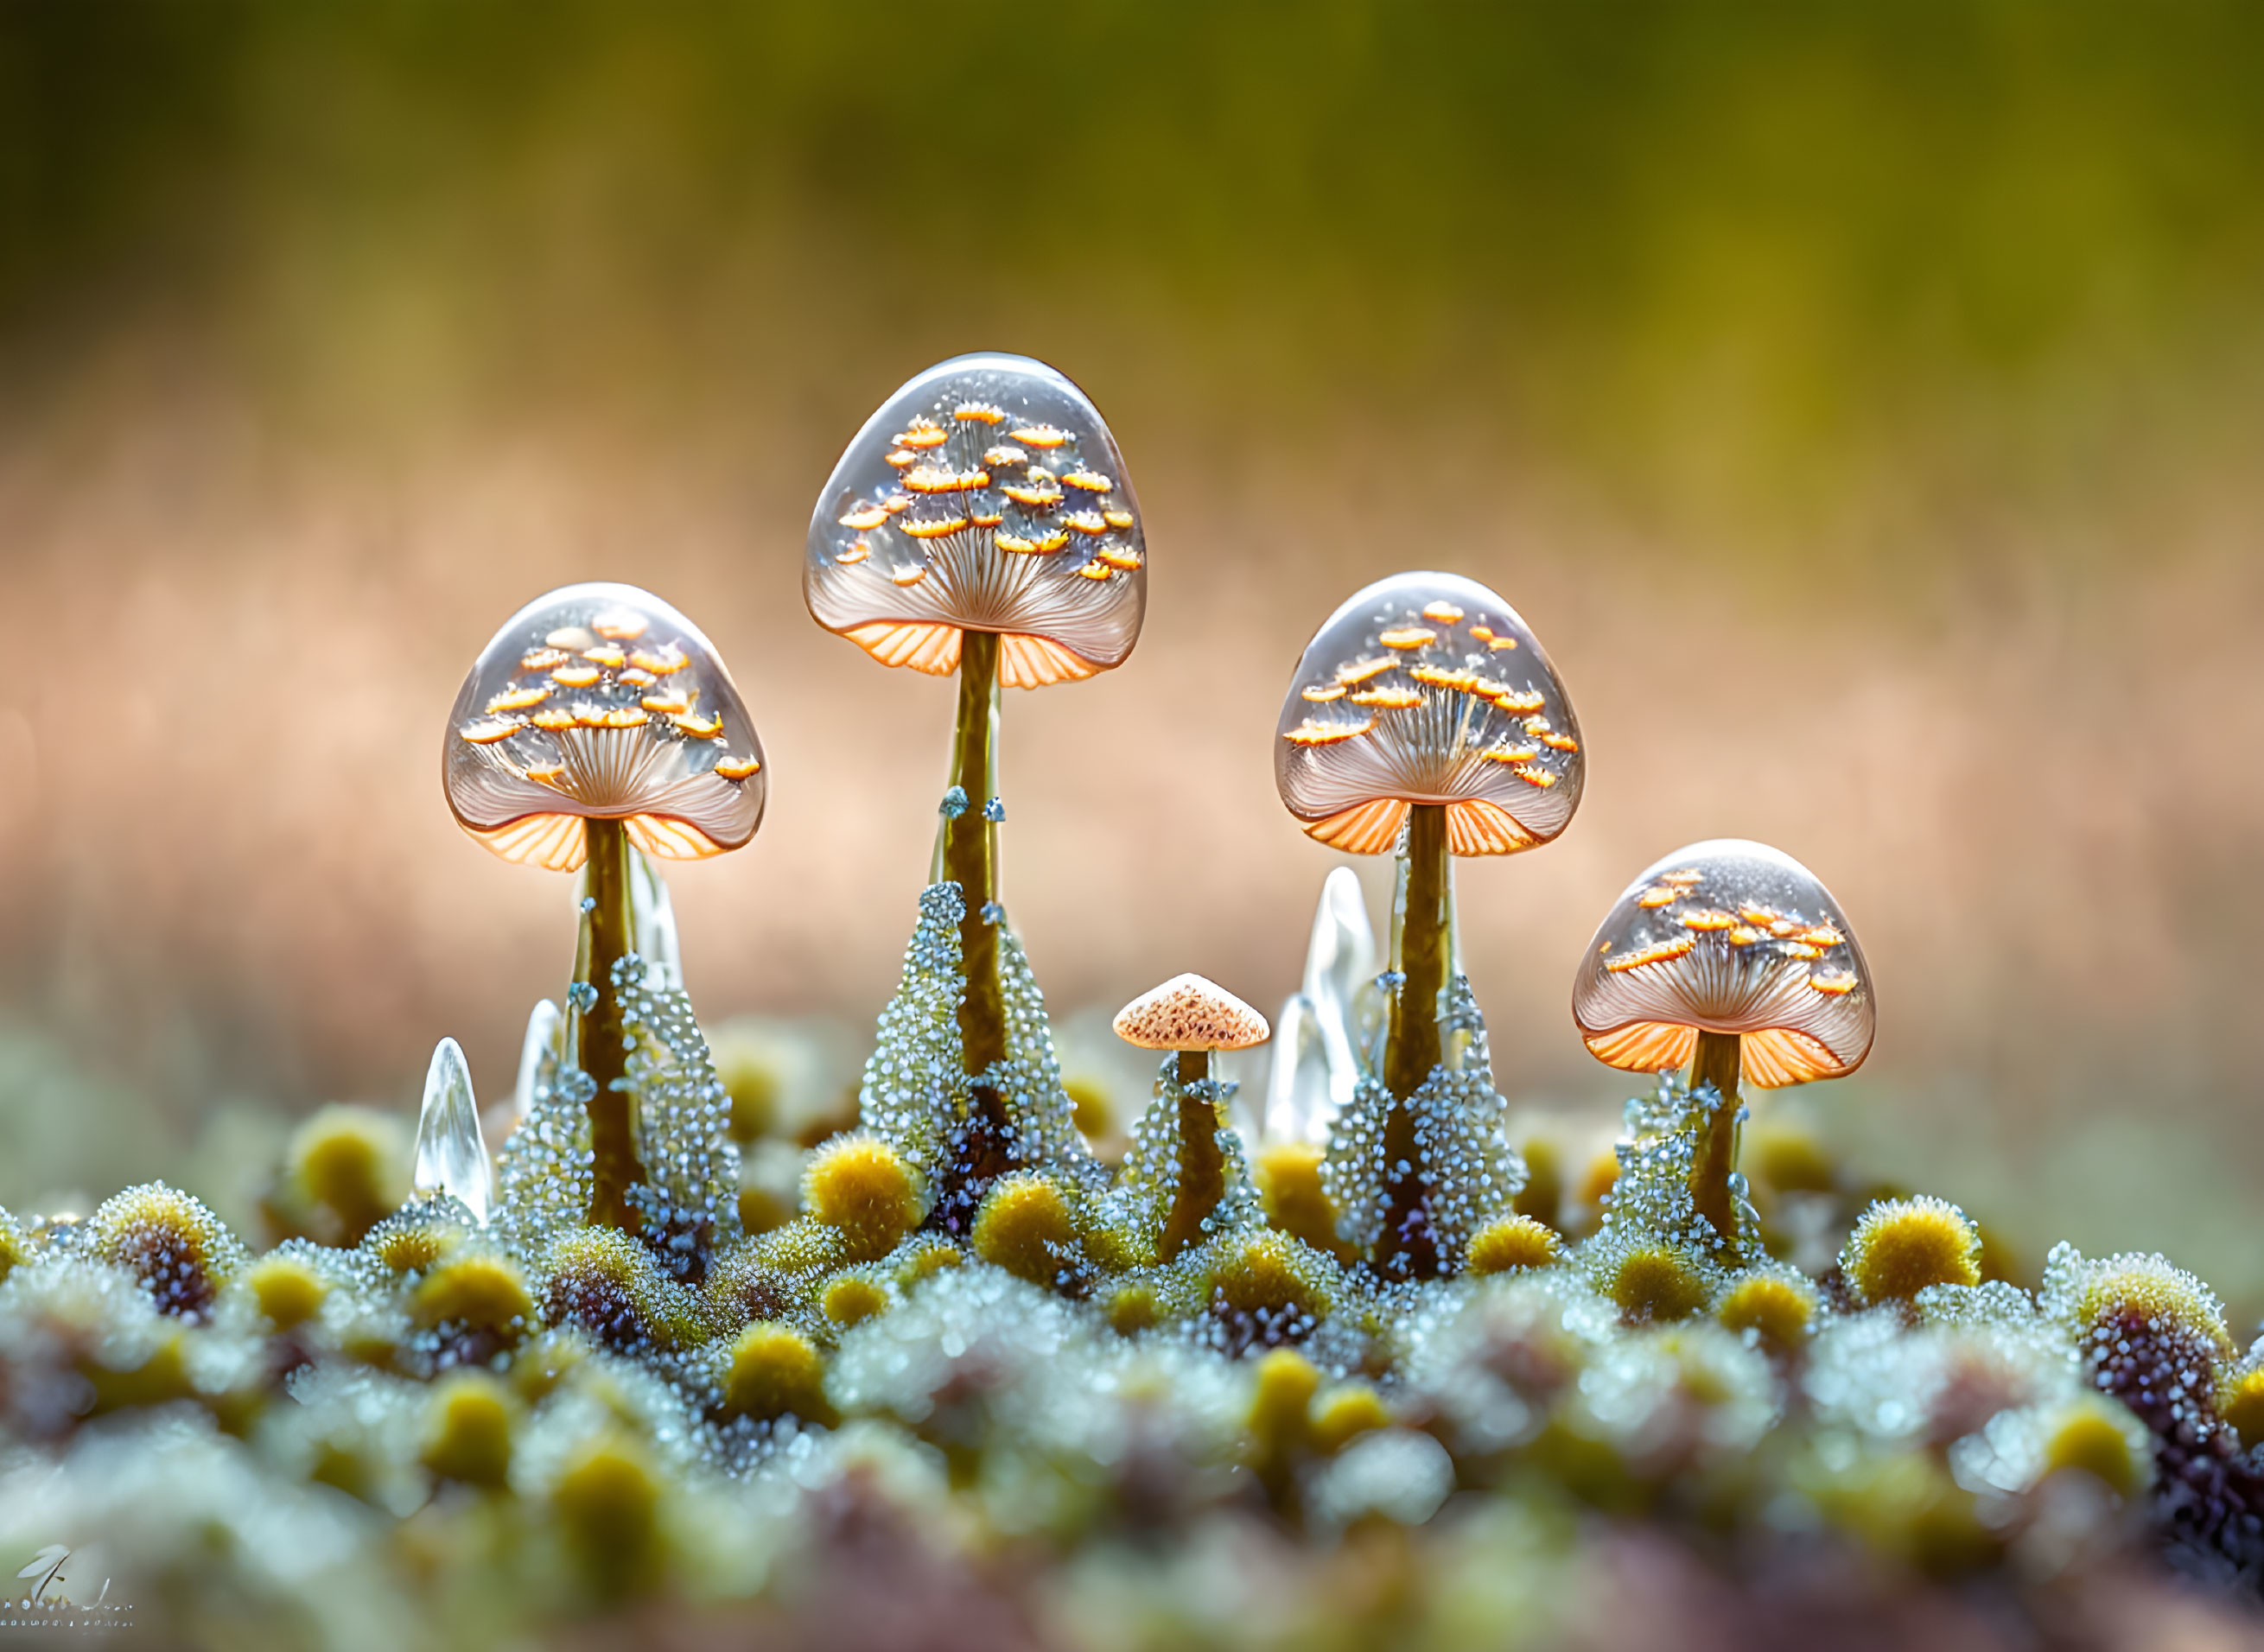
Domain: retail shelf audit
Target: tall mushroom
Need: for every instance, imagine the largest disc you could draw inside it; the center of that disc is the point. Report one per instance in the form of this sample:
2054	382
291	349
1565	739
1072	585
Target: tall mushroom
981	523
599	718
1729	955
1194	1017
1426	717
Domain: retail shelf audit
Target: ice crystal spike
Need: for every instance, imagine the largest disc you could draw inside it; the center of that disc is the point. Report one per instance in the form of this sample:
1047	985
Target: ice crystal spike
451	1158
1428	688
986	495
1299	1091
1339	960
1727	936
539	1054
602	702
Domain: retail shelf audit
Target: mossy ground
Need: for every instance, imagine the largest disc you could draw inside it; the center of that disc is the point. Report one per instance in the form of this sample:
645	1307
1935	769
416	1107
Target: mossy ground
873	1417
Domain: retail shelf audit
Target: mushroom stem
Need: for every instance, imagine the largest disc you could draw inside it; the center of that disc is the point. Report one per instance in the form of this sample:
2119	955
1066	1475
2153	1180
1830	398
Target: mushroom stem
610	937
970	851
1422	951
1718	1062
1422	955
1203	1167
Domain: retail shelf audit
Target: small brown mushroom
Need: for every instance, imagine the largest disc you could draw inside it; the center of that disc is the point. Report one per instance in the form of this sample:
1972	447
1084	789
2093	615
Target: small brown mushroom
1194	1017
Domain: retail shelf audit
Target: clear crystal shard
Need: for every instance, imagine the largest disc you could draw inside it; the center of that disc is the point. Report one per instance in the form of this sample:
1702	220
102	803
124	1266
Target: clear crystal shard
1299	1098
538	1057
1340	962
451	1158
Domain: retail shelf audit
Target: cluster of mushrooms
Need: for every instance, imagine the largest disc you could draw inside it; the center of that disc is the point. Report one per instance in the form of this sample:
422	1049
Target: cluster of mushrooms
982	525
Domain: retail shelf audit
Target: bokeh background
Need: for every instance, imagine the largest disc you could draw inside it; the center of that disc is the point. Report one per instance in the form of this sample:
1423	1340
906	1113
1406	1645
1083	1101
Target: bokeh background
1861	401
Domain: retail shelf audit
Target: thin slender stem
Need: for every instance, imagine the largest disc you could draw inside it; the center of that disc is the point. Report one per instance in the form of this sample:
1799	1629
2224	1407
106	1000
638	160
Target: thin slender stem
1718	1062
604	1042
1422	944
1422	953
1203	1167
970	851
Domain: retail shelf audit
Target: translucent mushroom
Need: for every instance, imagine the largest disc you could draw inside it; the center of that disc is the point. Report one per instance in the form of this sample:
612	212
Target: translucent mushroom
1424	715
981	523
1194	1017
599	719
1732	957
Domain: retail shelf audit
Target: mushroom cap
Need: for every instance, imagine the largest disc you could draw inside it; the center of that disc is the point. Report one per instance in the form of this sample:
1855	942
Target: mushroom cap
1188	1012
1428	688
986	495
602	702
1727	936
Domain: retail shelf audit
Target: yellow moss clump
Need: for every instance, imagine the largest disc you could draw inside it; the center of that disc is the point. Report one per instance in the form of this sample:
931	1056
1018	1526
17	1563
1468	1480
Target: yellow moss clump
1344	1414
608	1503
1511	1245
1652	1284
1268	1288
860	1186
2240	1402
1594	1189
170	1243
2176	1306
1543	1196
1785	1157
345	1169
1090	1107
467	1428
852	1299
2090	1436
288	1292
1288	1178
925	1261
1134	1309
483	1290
14	1246
771	1370
1281	1397
1901	1246
1025	1227
1779	1311
604	1282
410	1248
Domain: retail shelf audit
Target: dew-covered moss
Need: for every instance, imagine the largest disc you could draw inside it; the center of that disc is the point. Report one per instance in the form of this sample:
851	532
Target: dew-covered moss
463	1432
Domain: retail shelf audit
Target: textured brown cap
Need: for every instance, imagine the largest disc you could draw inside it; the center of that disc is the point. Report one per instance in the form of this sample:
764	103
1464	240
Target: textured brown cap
1188	1012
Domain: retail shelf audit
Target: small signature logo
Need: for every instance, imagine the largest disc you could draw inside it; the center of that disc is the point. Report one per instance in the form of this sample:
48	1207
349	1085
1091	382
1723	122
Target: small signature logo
46	1605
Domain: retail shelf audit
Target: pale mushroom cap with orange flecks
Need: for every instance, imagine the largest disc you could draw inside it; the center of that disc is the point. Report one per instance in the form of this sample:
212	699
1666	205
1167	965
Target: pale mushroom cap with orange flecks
601	701
1189	1012
986	495
1727	936
1428	688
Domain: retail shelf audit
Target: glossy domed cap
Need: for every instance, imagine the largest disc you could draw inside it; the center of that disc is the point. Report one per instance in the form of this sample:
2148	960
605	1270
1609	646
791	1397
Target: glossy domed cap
986	495
1727	936
1189	1012
602	701
1428	688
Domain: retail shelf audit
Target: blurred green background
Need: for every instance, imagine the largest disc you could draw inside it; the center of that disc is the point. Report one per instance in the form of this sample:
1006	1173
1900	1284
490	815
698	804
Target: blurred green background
1862	401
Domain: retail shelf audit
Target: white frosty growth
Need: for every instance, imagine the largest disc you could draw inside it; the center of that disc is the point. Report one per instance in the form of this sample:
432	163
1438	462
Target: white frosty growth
451	1158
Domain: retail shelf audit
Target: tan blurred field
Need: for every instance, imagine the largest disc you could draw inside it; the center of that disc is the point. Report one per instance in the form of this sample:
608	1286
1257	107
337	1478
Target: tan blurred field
1873	443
